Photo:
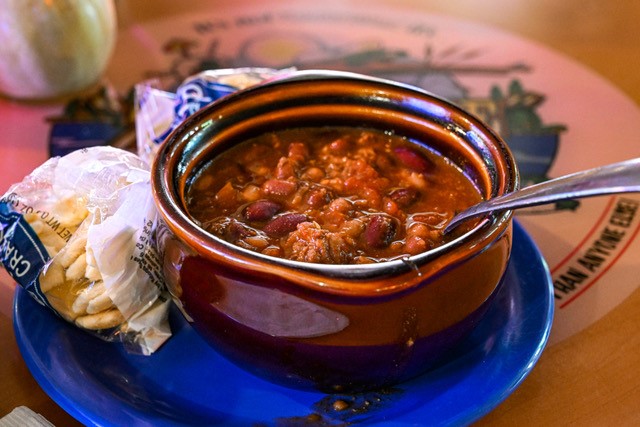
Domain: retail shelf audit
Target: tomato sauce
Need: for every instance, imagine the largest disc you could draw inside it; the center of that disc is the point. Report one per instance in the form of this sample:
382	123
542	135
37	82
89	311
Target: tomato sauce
332	195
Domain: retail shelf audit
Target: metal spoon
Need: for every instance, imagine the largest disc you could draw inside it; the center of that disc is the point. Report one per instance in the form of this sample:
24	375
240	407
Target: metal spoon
622	177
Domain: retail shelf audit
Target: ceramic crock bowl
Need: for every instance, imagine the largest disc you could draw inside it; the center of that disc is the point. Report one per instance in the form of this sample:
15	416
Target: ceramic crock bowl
333	327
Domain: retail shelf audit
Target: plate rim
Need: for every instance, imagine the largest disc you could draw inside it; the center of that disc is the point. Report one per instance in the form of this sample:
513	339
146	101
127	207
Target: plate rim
86	416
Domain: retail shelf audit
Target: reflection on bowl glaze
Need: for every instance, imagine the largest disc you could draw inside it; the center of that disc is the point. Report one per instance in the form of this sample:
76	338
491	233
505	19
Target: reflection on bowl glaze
274	312
333	327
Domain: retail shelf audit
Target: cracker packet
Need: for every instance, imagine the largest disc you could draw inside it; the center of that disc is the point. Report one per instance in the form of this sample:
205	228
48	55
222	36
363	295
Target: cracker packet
159	111
78	233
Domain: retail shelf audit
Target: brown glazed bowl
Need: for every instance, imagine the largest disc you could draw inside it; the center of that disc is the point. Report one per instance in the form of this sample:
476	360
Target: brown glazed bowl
333	327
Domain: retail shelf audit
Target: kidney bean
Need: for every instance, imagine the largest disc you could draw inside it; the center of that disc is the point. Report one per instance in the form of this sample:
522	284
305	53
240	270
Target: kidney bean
372	197
318	197
261	210
283	224
380	231
404	196
298	152
353	184
391	208
284	169
413	160
416	245
279	187
341	205
338	146
313	174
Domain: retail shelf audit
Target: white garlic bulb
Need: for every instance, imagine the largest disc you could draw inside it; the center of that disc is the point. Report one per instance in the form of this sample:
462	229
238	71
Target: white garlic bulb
51	48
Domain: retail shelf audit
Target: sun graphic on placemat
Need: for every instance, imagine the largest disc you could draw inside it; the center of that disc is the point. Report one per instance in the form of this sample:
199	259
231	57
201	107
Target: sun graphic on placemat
280	49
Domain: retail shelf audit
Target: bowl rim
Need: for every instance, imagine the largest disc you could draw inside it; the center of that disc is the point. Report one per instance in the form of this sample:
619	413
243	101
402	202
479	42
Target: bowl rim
179	222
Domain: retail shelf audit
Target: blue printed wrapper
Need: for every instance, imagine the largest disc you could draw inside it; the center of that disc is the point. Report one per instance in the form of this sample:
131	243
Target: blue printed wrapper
23	255
159	112
191	97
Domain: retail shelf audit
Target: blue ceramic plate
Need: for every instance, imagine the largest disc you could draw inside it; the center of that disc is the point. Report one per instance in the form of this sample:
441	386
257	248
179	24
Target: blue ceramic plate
187	383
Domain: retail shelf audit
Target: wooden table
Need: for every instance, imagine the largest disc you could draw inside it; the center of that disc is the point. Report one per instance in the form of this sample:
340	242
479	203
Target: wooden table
592	378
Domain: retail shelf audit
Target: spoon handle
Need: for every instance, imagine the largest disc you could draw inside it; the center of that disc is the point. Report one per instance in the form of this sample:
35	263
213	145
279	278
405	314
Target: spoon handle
622	177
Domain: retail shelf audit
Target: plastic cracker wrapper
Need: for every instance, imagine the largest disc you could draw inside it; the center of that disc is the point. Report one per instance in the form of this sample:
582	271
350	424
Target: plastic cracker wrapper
78	234
158	112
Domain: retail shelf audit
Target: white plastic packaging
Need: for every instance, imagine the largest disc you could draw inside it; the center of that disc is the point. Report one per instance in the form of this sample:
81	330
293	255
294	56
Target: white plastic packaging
78	234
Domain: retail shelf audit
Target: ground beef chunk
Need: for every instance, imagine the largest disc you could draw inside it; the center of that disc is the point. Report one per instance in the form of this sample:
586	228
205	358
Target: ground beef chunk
311	243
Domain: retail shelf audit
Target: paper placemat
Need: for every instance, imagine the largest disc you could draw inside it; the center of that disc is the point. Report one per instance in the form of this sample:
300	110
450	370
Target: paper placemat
557	116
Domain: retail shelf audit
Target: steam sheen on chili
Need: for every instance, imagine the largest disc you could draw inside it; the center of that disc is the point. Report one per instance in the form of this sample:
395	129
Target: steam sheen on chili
330	195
